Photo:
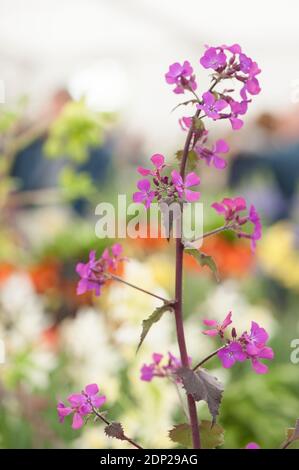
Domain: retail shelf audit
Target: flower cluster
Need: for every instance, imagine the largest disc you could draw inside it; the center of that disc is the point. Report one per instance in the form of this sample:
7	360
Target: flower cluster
230	62
231	209
247	346
95	272
227	63
156	369
164	188
81	405
182	77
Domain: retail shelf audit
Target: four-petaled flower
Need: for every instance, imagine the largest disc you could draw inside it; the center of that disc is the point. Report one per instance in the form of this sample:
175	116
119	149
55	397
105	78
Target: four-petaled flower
94	273
213	58
81	405
250	346
231	354
181	76
158	161
217	329
211	156
192	179
211	106
146	194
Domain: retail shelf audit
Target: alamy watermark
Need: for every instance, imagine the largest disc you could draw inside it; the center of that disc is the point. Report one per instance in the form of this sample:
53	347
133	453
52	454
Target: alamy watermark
294	357
162	220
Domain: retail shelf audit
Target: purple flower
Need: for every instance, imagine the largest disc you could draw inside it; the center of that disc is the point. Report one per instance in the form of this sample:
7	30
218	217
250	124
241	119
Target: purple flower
230	208
211	156
217	328
156	369
211	106
89	281
185	122
81	405
181	76
231	354
94	273
237	108
158	161
213	58
252	445
182	186
256	234
145	195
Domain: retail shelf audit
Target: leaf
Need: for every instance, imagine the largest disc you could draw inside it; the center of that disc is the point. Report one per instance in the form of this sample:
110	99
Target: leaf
192	383
203	386
204	260
192	159
210	437
115	430
181	434
214	392
153	318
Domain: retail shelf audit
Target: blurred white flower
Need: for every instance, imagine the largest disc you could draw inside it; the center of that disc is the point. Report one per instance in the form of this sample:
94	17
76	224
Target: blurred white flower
227	296
93	358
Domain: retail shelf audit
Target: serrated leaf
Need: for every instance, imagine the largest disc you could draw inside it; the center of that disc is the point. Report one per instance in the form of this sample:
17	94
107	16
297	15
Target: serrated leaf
115	430
153	318
181	434
203	386
214	392
210	437
204	260
192	383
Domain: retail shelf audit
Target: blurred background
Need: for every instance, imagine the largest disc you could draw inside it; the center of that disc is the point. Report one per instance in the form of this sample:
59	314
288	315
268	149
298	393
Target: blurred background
83	100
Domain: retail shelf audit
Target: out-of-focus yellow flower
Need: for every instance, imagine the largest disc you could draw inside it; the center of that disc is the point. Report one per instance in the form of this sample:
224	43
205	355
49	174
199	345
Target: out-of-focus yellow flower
278	255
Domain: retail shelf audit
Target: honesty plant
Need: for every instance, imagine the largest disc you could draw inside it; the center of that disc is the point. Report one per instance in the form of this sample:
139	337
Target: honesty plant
167	183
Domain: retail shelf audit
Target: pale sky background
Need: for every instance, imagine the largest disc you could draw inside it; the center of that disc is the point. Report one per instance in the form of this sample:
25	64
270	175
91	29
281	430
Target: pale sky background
119	50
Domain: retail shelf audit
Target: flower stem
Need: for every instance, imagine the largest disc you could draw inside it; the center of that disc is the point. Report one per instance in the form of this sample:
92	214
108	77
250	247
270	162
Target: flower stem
207	358
178	308
124	438
211	232
117	278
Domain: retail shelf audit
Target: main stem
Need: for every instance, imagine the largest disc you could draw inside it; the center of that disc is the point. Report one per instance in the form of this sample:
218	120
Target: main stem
178	310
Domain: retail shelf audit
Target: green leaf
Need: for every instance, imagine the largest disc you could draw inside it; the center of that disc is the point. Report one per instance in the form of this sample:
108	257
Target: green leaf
192	159
210	437
181	434
203	386
153	318
204	260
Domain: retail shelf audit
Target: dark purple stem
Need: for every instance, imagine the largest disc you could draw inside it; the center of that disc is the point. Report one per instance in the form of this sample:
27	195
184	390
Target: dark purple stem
207	358
178	310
